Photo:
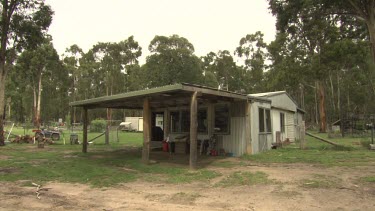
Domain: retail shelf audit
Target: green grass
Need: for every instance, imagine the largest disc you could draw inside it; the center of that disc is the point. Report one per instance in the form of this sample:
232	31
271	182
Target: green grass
103	166
352	153
368	179
120	162
321	181
245	178
131	138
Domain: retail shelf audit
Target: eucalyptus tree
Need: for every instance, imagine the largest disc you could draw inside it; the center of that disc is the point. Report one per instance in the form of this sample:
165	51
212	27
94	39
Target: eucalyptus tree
111	59
359	12
253	51
71	60
304	23
221	71
307	31
39	66
209	76
172	60
23	24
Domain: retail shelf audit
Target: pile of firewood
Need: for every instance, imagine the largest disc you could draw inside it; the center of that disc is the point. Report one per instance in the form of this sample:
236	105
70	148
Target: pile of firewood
31	140
23	139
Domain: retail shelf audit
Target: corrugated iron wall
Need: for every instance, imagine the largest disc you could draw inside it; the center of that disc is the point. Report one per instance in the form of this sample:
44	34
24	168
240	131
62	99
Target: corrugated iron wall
289	122
235	142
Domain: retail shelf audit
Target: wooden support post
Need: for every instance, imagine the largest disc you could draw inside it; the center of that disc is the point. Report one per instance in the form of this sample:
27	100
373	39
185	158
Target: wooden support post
210	119
193	131
107	133
302	138
249	148
146	131
166	124
85	123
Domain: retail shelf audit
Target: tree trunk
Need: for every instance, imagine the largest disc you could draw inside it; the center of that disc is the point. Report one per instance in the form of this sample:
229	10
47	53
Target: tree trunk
316	103
332	93
85	123
193	131
371	29
322	111
38	102
146	131
109	116
338	95
2	104
34	106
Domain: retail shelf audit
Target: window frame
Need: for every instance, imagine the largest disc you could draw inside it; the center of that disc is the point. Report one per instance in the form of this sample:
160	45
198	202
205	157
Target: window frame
282	122
228	118
266	120
179	126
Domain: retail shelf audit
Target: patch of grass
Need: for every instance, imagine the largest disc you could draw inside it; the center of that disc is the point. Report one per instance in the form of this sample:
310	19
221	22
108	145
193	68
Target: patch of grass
321	181
287	193
184	198
130	138
225	164
365	143
368	179
188	177
245	178
103	166
318	152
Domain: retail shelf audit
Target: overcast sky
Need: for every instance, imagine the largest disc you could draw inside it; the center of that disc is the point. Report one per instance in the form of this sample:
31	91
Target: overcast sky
210	25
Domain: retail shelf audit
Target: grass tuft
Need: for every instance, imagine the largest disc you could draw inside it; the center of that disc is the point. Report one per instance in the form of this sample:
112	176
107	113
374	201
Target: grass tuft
245	178
321	181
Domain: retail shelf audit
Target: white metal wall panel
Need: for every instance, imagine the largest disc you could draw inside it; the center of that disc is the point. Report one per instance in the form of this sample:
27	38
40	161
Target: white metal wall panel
289	121
235	142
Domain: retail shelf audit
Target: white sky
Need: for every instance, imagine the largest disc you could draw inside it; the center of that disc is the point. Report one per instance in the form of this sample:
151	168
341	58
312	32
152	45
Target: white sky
210	25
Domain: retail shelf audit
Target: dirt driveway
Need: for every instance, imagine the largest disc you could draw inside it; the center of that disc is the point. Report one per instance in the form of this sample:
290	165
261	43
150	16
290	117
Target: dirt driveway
290	187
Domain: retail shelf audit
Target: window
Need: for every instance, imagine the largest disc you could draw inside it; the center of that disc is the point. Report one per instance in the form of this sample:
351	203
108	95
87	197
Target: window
282	122
268	120
264	120
185	121
175	121
261	120
222	119
180	121
202	121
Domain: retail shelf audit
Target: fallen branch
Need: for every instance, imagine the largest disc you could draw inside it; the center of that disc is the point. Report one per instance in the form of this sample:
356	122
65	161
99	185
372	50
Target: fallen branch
38	188
322	139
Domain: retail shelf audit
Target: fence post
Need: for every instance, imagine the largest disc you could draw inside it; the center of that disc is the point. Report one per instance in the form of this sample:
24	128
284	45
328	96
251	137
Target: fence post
303	141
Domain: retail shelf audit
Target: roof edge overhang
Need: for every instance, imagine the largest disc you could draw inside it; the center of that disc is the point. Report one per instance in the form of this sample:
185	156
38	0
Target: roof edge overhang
144	92
259	99
159	90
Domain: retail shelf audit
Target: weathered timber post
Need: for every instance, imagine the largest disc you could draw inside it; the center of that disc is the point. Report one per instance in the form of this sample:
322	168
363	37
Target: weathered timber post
193	131
106	137
303	140
249	148
146	131
166	124
210	119
85	123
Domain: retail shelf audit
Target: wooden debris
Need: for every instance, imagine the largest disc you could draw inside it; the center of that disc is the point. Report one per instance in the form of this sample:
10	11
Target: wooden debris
39	188
322	139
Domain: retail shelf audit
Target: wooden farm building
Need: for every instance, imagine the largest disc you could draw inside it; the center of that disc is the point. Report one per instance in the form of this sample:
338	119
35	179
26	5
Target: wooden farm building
287	117
195	115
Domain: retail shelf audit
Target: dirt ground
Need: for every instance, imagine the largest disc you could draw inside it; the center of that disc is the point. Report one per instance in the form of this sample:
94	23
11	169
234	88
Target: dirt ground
290	190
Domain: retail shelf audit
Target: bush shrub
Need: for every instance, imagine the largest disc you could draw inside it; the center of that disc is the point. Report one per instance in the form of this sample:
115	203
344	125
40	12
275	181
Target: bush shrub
98	125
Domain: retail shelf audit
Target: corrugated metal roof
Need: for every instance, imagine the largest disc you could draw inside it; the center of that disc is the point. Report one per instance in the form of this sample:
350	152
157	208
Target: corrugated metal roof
271	94
133	99
267	94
